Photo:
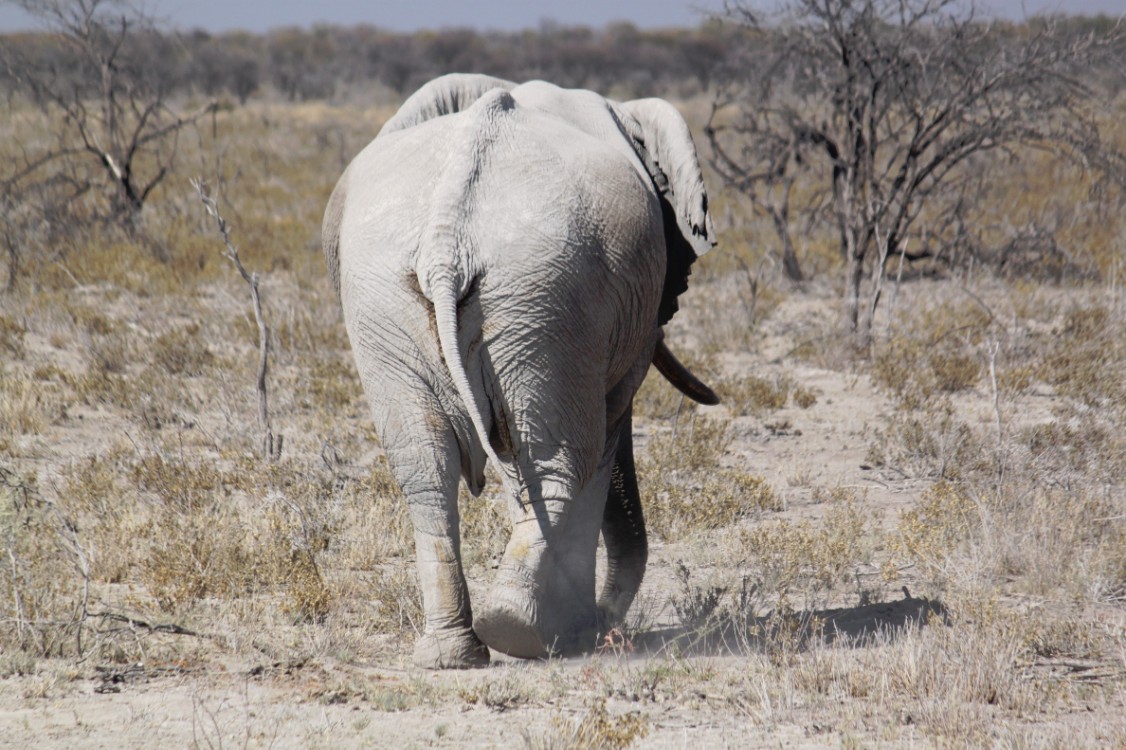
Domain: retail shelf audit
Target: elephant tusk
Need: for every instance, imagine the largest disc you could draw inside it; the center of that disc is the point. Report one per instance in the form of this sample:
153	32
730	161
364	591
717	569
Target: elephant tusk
681	377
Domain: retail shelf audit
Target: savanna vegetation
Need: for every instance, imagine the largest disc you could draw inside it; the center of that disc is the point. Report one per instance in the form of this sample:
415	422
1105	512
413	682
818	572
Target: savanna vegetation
916	541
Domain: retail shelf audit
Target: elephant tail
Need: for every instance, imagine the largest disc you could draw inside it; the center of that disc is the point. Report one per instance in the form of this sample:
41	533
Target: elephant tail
445	301
447	262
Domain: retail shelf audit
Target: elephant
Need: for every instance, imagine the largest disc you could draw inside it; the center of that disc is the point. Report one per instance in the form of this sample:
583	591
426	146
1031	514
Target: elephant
505	257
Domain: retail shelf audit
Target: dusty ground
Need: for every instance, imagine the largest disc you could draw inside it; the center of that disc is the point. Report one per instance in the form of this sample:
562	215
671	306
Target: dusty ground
856	683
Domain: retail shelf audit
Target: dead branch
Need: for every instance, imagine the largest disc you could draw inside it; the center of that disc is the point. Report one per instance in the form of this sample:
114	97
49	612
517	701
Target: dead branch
271	448
133	622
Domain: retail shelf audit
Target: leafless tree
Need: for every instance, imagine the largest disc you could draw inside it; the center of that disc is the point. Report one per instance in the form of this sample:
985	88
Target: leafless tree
877	116
108	91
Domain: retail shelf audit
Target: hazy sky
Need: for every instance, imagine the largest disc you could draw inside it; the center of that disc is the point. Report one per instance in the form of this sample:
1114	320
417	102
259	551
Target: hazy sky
410	15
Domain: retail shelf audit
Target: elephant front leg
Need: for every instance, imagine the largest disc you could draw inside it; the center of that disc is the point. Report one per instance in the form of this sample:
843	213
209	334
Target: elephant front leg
623	530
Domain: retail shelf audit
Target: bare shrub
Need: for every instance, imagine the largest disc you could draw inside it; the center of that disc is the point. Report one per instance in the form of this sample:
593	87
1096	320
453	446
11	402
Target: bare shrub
873	122
802	563
112	110
932	443
695	606
44	585
271	449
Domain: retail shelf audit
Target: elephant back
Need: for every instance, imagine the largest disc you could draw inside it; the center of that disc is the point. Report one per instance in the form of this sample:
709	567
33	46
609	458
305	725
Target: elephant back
446	95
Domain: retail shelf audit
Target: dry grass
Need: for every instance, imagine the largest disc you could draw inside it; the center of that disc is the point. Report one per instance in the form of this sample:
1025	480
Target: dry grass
1084	356
596	729
931	443
11	337
687	490
800	564
936	354
27	407
132	488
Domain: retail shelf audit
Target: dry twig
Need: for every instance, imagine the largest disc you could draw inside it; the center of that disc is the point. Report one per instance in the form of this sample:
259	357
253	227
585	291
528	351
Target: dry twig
271	448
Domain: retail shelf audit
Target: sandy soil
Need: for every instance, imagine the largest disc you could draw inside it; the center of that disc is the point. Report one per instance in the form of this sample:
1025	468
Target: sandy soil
215	700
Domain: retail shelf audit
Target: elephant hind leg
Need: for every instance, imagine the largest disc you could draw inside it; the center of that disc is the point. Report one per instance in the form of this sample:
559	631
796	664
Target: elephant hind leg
542	601
428	468
448	640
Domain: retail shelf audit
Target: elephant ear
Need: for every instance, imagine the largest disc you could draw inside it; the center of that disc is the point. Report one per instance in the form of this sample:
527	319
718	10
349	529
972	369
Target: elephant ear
442	96
665	145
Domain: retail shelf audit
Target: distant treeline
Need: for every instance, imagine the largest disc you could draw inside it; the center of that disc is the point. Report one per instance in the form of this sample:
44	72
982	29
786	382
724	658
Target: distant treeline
324	61
317	63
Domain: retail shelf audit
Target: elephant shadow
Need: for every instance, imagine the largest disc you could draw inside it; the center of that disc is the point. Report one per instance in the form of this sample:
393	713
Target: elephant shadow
851	627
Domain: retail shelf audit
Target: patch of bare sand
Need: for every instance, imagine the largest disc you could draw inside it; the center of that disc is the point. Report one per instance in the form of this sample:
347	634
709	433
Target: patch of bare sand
308	709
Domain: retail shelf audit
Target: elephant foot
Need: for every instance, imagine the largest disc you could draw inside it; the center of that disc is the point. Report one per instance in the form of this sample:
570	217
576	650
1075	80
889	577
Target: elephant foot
510	631
450	649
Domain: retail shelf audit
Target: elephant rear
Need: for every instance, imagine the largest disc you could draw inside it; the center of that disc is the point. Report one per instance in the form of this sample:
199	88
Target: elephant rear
546	235
500	253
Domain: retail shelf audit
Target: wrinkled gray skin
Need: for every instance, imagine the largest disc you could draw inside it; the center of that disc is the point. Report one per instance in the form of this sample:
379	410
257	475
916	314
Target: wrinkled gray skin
500	254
